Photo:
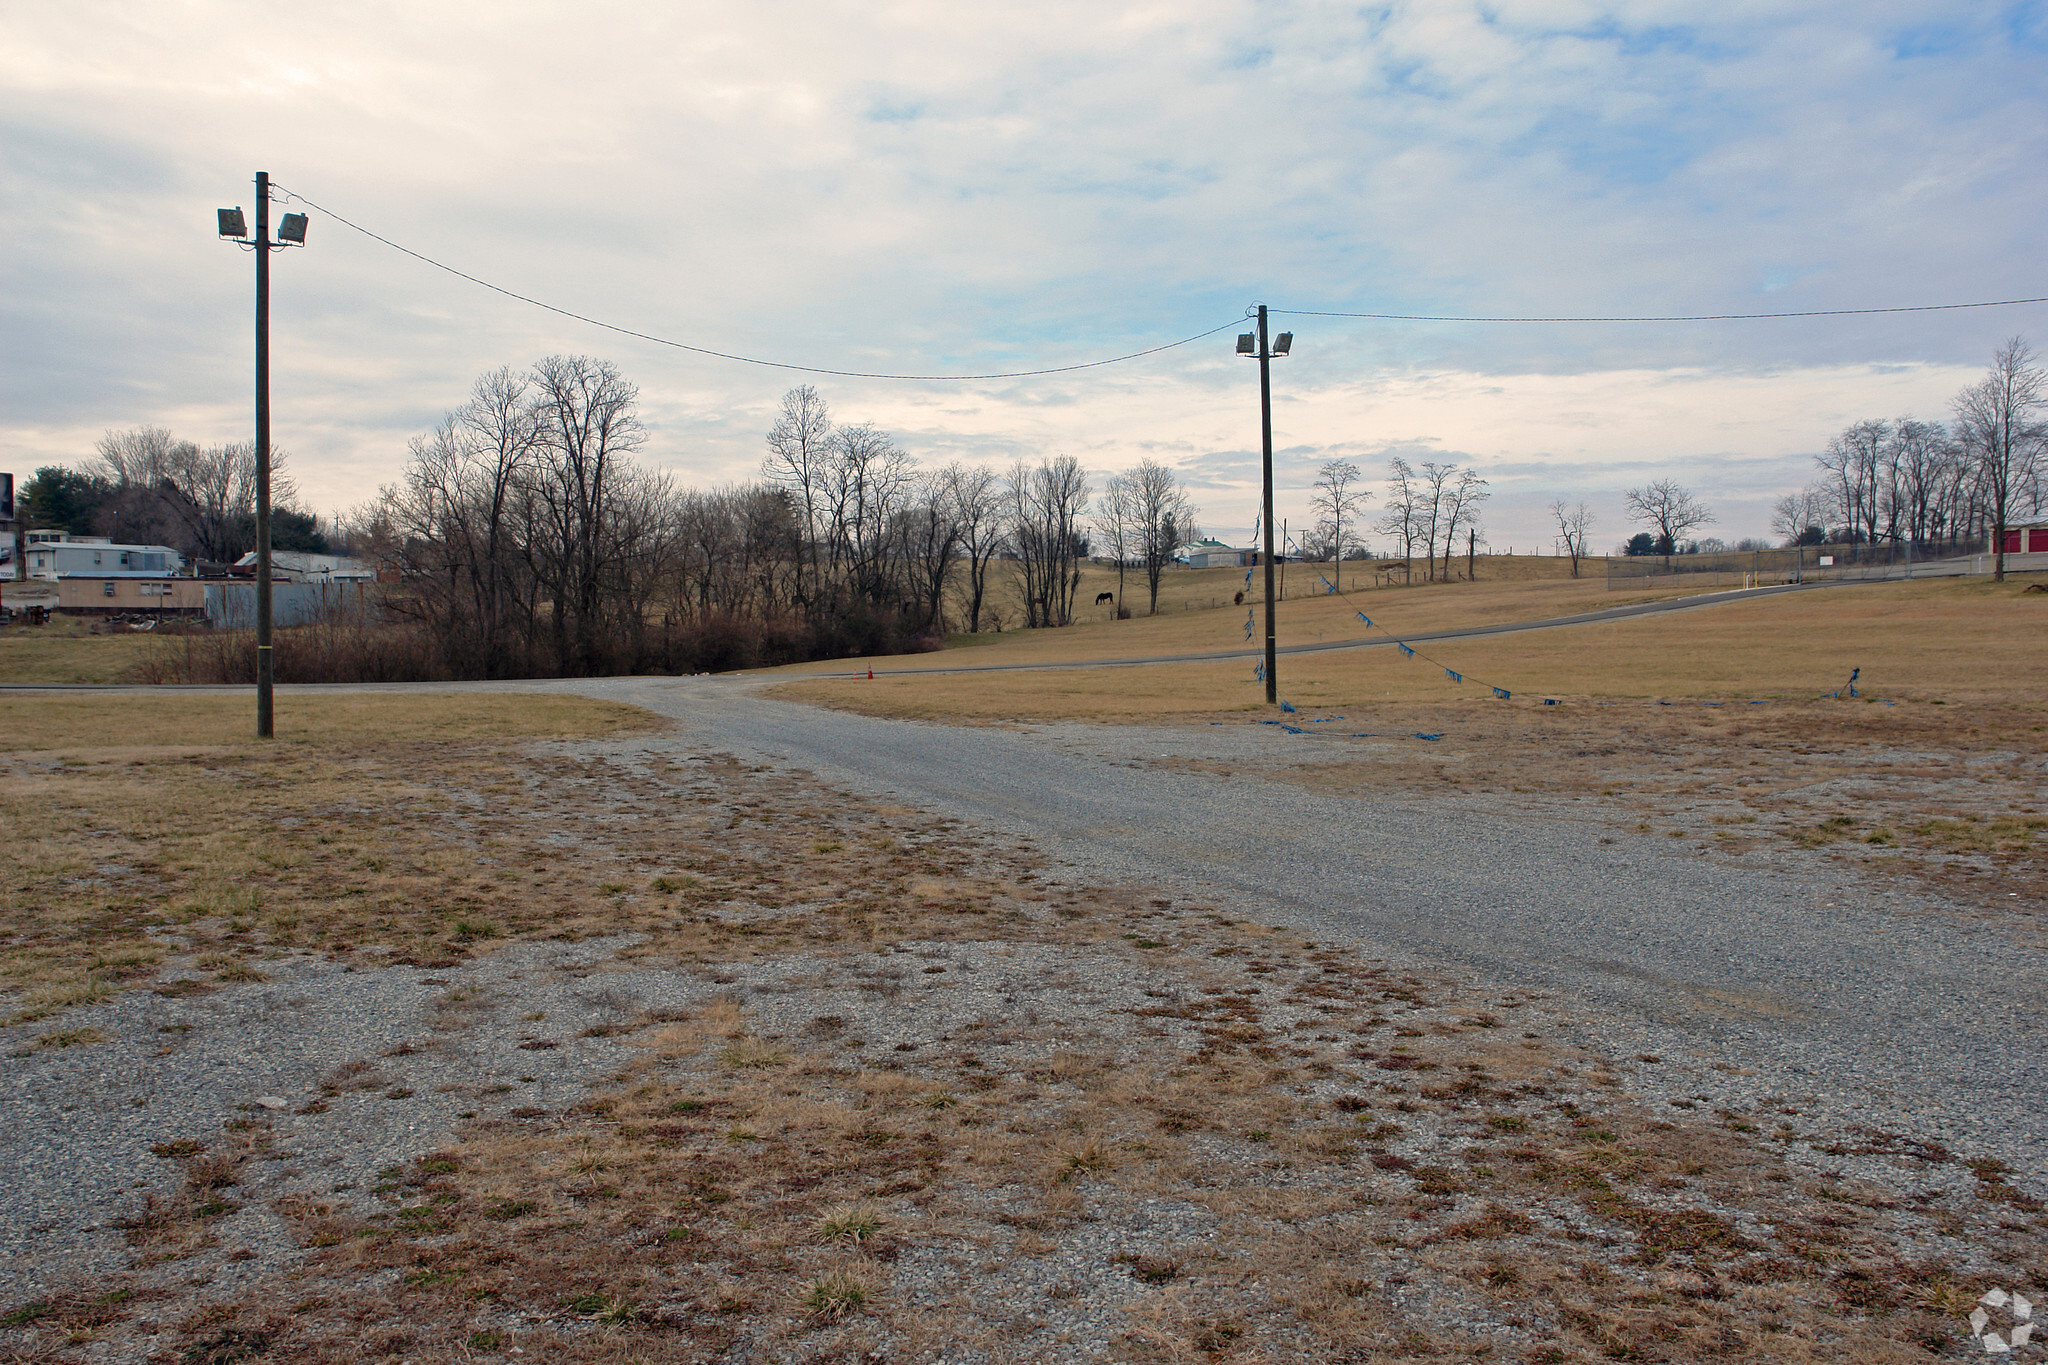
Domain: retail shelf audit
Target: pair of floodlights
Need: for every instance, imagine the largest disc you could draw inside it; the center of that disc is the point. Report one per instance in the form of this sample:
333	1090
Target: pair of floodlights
1248	343
291	229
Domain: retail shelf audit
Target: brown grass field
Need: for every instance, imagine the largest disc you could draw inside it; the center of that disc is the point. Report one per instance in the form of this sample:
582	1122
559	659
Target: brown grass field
1142	1130
69	650
1936	638
1139	1129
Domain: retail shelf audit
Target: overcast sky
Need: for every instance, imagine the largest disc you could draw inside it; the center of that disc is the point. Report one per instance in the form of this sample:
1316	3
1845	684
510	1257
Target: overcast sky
942	187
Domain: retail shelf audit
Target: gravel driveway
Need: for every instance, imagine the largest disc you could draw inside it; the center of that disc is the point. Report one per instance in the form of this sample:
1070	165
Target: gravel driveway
1788	979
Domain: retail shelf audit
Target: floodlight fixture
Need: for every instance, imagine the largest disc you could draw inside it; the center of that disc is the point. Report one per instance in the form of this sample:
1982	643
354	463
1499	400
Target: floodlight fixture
232	224
1283	343
1247	342
292	228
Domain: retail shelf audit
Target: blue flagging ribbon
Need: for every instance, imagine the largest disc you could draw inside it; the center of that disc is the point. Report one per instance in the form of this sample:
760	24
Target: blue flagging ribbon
1328	586
1259	670
1249	626
1436	736
1288	707
1453	674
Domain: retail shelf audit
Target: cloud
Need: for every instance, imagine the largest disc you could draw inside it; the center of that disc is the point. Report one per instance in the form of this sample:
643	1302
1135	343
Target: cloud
927	187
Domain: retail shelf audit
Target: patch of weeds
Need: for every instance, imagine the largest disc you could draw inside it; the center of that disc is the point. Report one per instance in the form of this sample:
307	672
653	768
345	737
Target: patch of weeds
466	929
850	1223
180	1148
835	1294
1149	1269
1507	1123
1090	1158
24	1315
752	1052
505	1210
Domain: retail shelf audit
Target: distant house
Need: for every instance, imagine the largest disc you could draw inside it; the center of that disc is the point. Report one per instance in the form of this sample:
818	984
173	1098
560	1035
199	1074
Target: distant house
54	554
1214	554
115	592
295	567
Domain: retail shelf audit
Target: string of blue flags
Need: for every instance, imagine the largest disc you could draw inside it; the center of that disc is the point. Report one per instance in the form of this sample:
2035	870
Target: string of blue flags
1411	652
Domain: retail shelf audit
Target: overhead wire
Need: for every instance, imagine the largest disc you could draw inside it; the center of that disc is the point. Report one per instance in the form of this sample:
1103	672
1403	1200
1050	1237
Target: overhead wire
1661	317
291	195
728	355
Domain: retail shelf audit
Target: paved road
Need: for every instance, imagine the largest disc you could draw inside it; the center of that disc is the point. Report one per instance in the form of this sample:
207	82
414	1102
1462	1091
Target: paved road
1692	603
1833	993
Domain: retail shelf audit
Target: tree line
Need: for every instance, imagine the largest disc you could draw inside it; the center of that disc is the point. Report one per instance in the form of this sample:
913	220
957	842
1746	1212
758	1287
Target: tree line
147	487
1919	482
532	540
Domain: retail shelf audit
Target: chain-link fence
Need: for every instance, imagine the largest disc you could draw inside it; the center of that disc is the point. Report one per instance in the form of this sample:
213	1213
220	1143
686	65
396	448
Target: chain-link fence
1805	564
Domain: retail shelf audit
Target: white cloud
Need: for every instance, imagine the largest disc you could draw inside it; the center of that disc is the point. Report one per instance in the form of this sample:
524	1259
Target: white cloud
924	186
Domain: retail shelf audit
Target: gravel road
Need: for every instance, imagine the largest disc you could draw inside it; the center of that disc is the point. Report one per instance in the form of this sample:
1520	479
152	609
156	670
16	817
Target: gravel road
1785	983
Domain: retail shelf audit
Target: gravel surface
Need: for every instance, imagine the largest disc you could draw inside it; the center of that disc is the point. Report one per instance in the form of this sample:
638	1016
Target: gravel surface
1779	984
1790	978
78	1124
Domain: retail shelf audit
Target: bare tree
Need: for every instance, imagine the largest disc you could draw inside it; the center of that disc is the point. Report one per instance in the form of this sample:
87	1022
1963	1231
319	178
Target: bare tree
1999	423
799	451
1046	505
1400	521
1429	512
1461	501
868	477
1801	518
588	424
1339	501
1854	461
1670	509
1164	520
1116	525
204	499
927	536
1574	525
977	497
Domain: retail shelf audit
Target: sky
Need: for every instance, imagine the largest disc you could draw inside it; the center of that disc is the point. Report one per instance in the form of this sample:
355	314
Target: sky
943	188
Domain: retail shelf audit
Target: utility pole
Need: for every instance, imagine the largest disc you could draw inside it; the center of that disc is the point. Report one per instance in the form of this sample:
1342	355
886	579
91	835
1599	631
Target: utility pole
1254	344
265	674
1266	452
291	231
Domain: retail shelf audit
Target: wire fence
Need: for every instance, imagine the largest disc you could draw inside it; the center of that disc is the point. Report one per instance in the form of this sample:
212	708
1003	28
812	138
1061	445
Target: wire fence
1804	564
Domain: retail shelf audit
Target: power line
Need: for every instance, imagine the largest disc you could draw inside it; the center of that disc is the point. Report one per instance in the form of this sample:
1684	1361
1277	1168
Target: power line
1674	317
1133	355
745	359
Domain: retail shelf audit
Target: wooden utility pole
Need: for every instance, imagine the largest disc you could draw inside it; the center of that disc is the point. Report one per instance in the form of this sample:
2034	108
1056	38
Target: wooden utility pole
265	726
1266	448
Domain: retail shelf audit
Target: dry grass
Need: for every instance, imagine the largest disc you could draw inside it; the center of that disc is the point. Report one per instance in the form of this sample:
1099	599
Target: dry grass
1200	1139
1934	638
250	851
1309	619
106	724
68	650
